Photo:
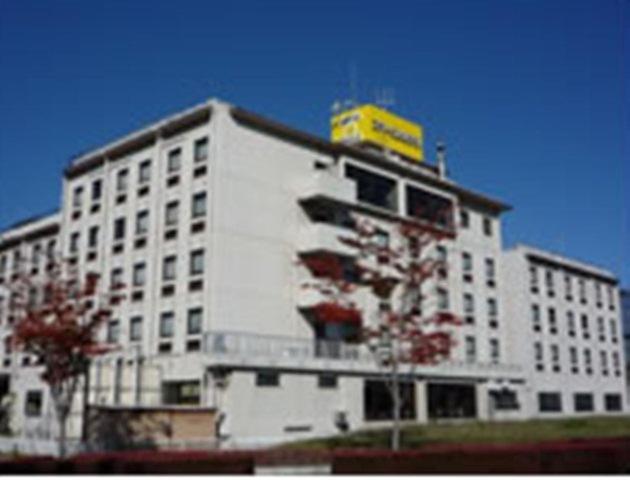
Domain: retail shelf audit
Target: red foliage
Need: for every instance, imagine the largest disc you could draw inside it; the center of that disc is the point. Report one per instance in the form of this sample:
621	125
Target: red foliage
329	312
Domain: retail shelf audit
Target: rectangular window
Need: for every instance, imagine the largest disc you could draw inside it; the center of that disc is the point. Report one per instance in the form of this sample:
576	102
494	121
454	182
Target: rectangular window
113	331
582	287
588	362
614	338
74	242
571	324
490	272
616	364
601	329
167	324
194	321
325	380
470	344
199	204
374	189
586	334
533	279
611	298
536	318
603	356
493	313
77	197
555	358
169	268
553	323
612	402
549	283
568	287
377	400
174	160
93	237
442	299
538	356
549	402
122	180
33	403
144	171
598	294
469	308
464	218
467	267
494	350
97	190
172	213
196	262
201	149
583	402
573	358
142	222
139	274
181	393
116	278
487	226
119	229
135	329
267	379
427	206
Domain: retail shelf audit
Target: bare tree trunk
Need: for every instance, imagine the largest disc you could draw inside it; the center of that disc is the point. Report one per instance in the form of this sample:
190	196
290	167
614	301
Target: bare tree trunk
395	440
62	435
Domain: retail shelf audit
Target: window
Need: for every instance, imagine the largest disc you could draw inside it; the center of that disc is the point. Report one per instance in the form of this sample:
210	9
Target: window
77	197
122	180
568	287
326	380
470	345
174	160
467	267
33	403
267	379
93	237
536	318
601	329
553	323
611	298
603	360
35	254
167	324
194	321
582	287
549	402
116	277
442	299
3	264
374	189
199	204
113	331
442	257
492	313
612	402
614	338
494	350
119	229
538	356
585	332
169	268
598	294
573	358
196	262
555	358
181	393
588	362
571	323
490	272
378	403
533	279
616	364
549	283
139	274
172	213
504	399
464	218
142	222
201	149
487	226
50	249
97	190
427	206
144	171
469	308
74	242
583	402
135	329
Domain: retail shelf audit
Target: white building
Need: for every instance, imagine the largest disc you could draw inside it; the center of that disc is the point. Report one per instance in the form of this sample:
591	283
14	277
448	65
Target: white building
203	215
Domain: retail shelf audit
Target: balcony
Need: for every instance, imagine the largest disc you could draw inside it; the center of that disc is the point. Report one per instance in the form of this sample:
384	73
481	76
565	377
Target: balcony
255	351
326	186
323	237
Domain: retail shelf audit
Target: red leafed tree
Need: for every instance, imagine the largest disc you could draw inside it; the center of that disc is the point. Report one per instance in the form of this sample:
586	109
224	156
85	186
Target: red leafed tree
409	328
58	317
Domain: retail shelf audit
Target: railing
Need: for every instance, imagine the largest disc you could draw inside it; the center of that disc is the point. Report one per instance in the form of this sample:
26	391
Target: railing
254	348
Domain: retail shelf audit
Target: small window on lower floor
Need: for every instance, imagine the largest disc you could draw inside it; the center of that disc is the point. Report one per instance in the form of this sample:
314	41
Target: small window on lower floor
612	402
33	403
327	381
549	402
583	402
181	393
504	399
267	379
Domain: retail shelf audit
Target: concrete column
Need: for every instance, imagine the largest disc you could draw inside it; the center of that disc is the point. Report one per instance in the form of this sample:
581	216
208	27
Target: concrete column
422	401
483	405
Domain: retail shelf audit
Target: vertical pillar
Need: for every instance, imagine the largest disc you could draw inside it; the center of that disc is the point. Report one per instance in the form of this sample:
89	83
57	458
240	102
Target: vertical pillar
483	405
422	402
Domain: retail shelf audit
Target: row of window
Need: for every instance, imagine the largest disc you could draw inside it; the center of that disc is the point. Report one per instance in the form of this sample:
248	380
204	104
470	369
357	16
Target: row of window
551	402
572	325
467	266
270	378
574	366
171	214
470	349
38	251
464	222
550	287
173	166
194	323
491	310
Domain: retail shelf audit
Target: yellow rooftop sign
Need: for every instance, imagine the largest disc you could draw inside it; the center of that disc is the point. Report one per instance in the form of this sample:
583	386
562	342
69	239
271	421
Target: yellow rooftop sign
369	124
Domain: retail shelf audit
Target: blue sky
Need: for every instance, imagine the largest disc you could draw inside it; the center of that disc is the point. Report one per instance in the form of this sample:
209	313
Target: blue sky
528	94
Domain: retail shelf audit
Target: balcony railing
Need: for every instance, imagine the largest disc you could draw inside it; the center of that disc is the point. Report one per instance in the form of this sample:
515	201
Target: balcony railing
323	237
325	185
261	350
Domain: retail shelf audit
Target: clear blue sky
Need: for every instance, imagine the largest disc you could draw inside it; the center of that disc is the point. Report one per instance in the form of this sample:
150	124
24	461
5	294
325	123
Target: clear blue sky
528	94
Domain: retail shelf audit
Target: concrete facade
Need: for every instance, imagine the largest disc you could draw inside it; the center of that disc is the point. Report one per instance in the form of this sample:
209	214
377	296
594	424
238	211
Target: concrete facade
202	217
